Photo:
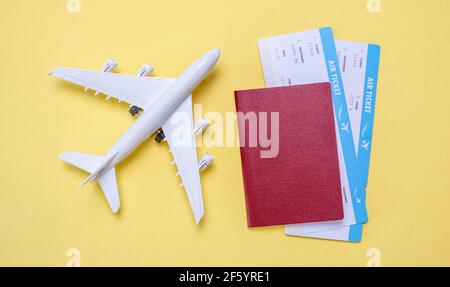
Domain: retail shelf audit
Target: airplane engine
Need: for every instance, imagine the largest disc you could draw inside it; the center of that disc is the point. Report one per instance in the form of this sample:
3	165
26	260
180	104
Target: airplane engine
200	126
109	65
145	70
205	161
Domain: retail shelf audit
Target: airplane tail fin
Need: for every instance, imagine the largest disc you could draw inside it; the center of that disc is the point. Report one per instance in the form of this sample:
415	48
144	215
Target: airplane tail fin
93	164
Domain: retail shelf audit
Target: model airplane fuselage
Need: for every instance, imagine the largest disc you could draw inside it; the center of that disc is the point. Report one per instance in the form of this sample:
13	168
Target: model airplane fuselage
152	119
172	96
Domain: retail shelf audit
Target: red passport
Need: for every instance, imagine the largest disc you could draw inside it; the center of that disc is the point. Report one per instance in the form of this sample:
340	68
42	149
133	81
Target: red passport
297	179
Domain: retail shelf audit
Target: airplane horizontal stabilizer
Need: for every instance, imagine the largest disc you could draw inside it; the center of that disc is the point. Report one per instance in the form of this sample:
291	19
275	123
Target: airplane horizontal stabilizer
108	183
87	162
91	163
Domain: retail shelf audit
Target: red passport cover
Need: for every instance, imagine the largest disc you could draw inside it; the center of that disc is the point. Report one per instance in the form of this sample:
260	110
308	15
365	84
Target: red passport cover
302	183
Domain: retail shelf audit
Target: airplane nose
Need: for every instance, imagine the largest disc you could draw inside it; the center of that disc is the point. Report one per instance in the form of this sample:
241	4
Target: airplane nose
215	53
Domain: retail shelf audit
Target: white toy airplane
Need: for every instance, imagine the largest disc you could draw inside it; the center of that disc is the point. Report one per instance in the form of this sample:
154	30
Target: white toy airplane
163	101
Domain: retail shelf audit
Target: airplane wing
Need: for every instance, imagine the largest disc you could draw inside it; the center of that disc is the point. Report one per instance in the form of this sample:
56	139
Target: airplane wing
178	131
135	90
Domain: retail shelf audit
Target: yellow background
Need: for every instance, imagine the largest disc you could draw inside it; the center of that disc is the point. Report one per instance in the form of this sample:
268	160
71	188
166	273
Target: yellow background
43	212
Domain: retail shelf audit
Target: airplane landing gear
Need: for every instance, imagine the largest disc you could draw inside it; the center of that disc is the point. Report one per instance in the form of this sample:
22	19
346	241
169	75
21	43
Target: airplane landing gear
159	136
134	110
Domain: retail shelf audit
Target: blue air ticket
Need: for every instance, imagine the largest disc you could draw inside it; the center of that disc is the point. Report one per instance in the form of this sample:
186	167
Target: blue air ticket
358	63
310	57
